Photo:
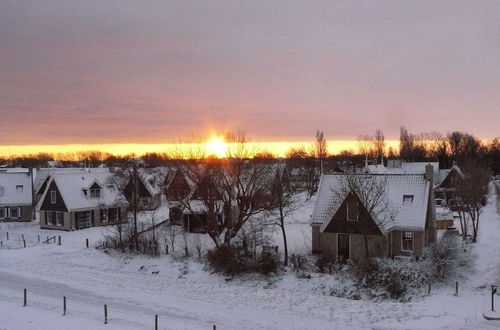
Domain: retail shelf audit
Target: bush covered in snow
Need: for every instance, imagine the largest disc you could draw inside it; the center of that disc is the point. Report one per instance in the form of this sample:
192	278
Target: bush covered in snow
447	259
387	278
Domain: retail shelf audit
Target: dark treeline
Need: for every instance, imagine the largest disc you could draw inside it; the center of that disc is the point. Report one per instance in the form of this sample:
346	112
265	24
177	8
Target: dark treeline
454	147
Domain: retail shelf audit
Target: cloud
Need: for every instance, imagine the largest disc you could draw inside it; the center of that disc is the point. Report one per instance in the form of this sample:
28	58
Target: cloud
118	71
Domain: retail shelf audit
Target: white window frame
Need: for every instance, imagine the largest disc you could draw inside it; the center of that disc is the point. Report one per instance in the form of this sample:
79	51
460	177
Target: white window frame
53	197
59	216
357	211
412	241
95	193
104	216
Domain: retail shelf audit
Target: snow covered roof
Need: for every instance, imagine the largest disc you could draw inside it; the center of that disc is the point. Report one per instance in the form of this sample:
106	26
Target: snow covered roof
15	188
332	192
404	168
154	179
71	185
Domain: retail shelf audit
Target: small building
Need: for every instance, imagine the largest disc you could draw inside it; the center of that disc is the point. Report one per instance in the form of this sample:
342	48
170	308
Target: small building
79	199
16	197
341	222
149	187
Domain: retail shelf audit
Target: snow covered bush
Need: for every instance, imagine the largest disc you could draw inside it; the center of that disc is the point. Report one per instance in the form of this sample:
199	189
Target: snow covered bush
387	278
448	258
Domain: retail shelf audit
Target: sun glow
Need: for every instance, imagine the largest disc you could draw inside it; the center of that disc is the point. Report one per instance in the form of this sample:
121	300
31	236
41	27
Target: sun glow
216	147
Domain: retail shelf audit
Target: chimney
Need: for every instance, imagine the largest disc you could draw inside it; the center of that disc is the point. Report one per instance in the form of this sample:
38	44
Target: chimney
429	172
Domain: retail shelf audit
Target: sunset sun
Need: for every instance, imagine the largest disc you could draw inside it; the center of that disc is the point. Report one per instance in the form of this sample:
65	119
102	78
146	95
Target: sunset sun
217	147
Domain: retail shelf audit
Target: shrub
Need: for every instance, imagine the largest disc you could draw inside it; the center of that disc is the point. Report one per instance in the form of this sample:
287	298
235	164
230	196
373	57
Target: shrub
267	263
445	258
224	259
325	263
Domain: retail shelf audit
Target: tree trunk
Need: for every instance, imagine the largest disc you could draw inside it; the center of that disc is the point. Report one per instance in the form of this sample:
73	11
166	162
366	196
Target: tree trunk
285	245
367	255
136	236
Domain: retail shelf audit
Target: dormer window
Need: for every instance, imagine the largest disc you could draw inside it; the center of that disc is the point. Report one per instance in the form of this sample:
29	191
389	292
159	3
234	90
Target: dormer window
19	188
407	200
53	197
95	193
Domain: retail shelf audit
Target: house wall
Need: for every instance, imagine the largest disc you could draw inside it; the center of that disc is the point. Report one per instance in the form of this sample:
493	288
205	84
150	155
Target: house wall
70	219
326	244
419	243
26	213
45	225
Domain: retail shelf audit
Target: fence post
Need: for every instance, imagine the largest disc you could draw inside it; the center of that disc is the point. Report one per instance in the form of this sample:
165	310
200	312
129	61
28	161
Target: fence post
59	240
105	314
166	248
7	235
456	288
38	238
64	305
22	236
156	322
25	297
1	243
24	242
215	327
87	243
47	240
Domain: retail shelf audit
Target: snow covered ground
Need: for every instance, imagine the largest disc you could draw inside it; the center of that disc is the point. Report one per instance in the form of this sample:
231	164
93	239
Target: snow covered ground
185	296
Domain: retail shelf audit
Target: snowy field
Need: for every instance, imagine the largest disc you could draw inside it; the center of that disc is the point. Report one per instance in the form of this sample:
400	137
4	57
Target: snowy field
185	296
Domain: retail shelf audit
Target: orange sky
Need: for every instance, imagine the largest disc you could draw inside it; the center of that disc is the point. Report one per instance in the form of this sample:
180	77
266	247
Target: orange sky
277	148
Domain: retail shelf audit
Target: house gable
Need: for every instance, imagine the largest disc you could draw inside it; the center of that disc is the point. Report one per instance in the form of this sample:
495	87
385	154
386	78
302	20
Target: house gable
364	225
59	205
451	179
178	187
143	191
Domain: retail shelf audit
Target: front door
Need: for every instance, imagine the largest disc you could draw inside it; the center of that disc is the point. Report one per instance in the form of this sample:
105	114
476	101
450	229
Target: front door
343	246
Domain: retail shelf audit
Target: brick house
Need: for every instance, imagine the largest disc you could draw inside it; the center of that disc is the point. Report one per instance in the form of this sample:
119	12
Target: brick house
340	221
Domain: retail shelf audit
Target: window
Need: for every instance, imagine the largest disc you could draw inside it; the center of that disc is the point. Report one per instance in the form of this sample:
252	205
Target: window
352	211
2	213
407	200
104	216
407	244
95	193
59	219
113	214
54	218
14	212
53	197
19	188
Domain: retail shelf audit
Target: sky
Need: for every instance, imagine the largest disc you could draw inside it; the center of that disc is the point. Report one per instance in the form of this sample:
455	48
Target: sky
152	72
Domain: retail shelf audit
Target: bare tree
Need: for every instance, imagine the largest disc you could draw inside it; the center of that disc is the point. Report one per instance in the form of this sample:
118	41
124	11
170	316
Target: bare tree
371	190
379	144
320	148
284	202
366	146
125	181
471	192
